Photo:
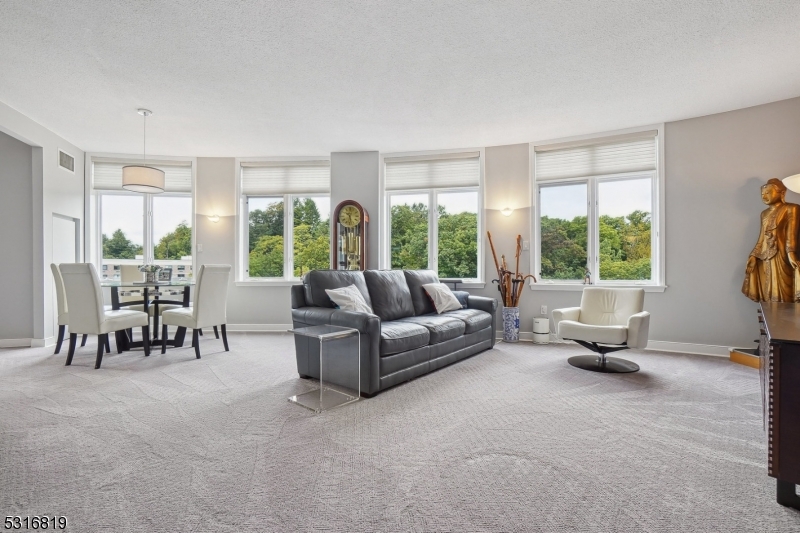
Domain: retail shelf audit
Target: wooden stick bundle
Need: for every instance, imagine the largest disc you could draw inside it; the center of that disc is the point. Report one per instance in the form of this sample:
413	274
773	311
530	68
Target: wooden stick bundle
510	284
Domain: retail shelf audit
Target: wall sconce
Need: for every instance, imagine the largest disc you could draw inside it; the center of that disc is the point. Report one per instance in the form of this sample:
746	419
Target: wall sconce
792	183
214	218
507	212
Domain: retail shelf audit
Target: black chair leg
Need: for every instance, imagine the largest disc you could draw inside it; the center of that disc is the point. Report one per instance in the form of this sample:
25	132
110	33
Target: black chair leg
164	339
196	342
83	340
216	332
201	332
101	346
180	333
108	345
60	340
119	340
73	340
146	340
224	337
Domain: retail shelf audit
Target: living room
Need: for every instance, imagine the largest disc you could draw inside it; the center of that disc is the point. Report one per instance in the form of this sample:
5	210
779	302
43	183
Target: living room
440	123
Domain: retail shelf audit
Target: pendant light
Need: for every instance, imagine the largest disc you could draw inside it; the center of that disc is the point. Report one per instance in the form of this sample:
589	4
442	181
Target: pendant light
141	178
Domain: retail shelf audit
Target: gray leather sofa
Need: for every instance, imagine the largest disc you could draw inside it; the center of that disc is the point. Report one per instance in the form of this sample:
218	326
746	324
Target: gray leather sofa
405	338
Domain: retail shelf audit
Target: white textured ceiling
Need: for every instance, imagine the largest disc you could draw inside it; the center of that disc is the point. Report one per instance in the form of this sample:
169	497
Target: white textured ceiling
234	78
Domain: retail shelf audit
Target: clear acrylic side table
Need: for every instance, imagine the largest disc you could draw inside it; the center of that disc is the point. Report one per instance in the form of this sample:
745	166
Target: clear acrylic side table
339	368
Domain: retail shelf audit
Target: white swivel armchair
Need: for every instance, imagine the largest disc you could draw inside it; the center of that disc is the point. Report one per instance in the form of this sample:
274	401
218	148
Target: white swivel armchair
208	309
608	320
87	314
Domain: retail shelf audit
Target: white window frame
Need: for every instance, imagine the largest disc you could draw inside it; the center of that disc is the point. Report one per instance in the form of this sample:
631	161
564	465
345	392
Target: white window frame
384	215
242	244
93	208
288	235
657	283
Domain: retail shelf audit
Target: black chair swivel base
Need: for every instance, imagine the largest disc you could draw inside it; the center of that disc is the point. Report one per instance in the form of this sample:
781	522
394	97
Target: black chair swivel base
608	365
601	362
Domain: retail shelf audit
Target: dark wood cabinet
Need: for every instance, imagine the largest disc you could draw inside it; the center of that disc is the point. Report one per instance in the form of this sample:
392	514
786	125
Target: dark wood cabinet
780	382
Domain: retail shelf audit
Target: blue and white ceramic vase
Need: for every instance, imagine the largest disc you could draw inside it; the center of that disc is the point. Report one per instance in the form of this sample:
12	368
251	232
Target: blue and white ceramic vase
511	324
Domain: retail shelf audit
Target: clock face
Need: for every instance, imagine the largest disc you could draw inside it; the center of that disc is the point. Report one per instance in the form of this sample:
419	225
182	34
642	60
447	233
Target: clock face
349	216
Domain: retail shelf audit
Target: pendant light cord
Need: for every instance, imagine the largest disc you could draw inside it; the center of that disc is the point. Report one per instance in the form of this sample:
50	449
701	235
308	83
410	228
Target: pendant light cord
144	138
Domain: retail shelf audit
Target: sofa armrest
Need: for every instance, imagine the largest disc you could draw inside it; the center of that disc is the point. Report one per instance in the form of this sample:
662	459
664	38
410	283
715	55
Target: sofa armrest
482	303
313	316
638	330
567	313
298	296
368	325
364	322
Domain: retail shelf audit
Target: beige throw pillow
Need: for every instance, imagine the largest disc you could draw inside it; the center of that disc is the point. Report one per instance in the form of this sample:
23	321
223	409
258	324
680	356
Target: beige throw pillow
349	299
442	297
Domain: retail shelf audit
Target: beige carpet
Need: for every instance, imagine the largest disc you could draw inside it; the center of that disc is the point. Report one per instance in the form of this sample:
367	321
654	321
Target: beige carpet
512	439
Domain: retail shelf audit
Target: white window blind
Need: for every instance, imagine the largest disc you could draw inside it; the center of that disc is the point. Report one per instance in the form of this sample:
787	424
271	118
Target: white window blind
433	172
614	155
107	175
266	178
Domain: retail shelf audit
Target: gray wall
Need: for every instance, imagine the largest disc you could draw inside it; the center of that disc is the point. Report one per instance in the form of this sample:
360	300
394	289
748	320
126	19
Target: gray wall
16	221
216	194
355	176
55	191
714	168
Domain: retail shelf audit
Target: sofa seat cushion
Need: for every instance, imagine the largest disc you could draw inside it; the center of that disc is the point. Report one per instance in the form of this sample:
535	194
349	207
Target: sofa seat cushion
474	319
577	331
400	336
441	328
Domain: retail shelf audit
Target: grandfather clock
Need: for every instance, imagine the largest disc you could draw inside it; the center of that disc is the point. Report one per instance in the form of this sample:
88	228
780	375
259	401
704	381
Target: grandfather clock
349	236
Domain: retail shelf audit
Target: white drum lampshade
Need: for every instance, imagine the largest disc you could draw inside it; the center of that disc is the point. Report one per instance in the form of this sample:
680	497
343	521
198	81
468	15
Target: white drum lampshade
139	178
792	183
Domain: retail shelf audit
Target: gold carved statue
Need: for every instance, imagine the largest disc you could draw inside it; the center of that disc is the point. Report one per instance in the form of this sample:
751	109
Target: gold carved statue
772	268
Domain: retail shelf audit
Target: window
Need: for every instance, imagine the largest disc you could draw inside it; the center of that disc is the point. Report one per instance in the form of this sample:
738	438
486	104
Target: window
597	211
134	228
286	222
432	206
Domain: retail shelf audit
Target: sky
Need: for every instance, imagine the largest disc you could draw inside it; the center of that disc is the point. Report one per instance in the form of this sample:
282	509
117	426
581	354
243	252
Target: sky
616	198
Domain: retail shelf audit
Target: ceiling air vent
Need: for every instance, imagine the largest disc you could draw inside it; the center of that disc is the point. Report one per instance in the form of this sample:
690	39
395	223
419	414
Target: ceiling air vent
66	161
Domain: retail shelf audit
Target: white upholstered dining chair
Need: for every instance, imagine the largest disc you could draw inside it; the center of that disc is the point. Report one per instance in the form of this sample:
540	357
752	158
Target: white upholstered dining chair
608	320
208	309
88	315
63	310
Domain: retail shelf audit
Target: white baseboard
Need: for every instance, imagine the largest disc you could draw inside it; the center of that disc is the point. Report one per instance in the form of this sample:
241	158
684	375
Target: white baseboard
685	347
659	346
16	343
258	327
41	343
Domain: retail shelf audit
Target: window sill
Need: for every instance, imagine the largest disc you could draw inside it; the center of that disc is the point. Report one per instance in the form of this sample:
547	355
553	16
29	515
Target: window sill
580	286
465	285
267	283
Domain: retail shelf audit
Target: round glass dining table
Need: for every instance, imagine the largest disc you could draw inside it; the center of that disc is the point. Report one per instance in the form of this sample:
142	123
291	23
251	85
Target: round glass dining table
152	296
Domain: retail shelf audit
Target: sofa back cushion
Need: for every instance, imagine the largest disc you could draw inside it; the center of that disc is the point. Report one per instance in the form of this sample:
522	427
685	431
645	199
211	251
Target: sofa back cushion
415	280
316	281
389	292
